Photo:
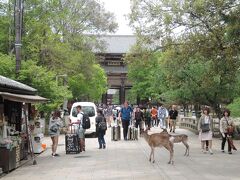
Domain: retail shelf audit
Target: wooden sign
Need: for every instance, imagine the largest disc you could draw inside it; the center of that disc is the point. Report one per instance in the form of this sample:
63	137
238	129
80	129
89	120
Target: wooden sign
72	143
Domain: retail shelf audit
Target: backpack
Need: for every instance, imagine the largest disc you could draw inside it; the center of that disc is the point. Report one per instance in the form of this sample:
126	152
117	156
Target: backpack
86	121
102	125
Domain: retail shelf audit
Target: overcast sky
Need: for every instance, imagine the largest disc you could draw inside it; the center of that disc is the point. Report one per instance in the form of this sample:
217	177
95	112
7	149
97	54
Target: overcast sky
120	8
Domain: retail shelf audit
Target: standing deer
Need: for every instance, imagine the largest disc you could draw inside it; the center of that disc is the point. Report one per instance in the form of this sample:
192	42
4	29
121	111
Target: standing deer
158	140
181	138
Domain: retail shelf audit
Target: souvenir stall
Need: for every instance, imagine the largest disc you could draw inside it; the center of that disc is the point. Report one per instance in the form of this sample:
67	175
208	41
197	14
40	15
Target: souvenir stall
15	105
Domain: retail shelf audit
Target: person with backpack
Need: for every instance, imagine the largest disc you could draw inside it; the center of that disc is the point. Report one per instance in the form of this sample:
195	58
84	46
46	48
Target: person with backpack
101	127
55	124
81	130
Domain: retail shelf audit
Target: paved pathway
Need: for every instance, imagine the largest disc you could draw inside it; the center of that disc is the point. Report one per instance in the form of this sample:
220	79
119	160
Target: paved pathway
128	160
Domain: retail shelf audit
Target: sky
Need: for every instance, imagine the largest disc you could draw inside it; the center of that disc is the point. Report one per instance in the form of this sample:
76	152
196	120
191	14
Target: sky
120	8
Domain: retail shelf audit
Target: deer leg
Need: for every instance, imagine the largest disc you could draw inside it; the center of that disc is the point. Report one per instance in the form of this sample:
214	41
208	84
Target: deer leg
169	147
187	148
171	153
150	157
153	155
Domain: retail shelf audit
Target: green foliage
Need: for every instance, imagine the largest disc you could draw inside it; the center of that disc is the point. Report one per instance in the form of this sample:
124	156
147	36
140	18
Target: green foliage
7	67
199	41
234	108
141	65
91	87
55	43
4	26
45	82
130	96
60	45
38	77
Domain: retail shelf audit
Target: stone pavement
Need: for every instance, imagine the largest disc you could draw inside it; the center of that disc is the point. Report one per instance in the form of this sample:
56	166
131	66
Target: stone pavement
128	160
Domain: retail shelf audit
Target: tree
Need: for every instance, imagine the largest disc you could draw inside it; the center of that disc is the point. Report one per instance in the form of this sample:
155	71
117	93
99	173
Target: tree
81	16
157	20
234	107
141	64
54	37
91	87
39	78
3	38
45	82
196	38
7	67
63	47
6	27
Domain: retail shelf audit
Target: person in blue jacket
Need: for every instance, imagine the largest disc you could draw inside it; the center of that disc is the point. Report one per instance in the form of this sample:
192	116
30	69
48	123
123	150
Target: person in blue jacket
125	114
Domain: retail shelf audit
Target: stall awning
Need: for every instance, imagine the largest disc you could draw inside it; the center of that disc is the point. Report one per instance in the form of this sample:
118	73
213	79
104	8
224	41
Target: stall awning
23	98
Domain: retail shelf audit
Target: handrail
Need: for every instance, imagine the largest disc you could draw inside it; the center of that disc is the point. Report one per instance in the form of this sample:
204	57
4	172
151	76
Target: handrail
191	124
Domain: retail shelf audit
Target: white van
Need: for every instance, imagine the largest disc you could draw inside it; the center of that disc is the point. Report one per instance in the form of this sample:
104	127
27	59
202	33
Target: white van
88	108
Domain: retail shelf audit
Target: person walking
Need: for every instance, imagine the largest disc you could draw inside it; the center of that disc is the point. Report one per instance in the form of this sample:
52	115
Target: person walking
162	115
154	113
226	129
55	124
101	127
205	128
81	131
139	119
109	115
147	117
125	115
173	113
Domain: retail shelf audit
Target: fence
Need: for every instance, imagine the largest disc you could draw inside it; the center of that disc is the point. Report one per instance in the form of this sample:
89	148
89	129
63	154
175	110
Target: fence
191	124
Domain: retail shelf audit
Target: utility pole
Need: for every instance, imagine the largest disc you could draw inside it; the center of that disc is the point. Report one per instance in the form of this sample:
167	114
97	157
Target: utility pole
18	33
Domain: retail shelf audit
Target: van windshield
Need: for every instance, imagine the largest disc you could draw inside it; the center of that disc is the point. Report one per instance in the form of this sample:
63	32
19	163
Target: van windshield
89	110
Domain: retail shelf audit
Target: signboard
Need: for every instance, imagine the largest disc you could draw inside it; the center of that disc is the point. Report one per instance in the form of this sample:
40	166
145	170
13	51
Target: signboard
72	143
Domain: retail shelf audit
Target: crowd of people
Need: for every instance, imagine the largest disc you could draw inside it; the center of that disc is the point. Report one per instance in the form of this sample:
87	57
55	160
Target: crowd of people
164	118
146	118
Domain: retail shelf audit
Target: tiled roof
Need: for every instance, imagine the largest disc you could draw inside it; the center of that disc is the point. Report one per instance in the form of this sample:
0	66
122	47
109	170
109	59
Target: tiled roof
118	43
11	84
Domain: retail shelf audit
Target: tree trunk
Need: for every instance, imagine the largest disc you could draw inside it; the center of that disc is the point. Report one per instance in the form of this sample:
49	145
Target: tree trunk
217	110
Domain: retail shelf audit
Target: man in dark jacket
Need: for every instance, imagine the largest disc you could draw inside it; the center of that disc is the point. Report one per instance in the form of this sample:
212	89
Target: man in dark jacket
173	113
101	127
138	118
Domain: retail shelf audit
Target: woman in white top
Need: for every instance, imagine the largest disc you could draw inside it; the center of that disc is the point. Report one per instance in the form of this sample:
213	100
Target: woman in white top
55	124
205	128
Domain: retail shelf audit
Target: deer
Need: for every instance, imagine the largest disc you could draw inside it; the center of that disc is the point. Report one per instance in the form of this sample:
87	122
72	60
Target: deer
181	138
158	140
178	138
